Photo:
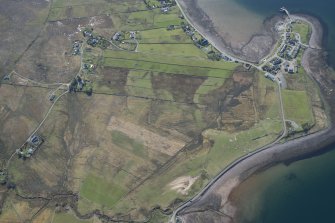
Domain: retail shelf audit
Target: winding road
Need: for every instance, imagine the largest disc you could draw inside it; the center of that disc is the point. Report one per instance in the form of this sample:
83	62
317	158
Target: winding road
60	85
174	218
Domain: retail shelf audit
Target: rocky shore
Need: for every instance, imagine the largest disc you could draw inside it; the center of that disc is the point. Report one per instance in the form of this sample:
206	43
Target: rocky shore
215	205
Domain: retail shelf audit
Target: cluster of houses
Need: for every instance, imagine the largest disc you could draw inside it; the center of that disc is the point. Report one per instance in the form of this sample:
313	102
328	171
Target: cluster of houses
171	27
201	42
78	84
226	58
88	67
290	49
120	36
274	66
94	40
164	5
76	47
30	146
286	61
189	30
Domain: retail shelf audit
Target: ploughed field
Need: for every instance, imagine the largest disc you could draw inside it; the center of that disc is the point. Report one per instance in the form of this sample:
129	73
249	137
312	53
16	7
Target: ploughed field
162	120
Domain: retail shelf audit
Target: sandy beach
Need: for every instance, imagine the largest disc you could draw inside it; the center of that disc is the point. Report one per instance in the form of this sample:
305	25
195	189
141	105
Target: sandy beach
214	205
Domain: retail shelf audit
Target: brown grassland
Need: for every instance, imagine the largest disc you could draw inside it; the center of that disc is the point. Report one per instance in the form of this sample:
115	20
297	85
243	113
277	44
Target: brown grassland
161	114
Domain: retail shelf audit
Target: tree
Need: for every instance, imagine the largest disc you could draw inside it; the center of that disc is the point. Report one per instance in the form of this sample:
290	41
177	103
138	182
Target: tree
306	127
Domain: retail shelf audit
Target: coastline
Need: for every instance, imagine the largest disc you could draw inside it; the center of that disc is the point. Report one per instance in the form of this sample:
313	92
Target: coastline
254	50
314	63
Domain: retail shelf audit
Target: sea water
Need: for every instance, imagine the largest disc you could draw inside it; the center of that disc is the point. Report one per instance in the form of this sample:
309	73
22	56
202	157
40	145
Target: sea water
303	191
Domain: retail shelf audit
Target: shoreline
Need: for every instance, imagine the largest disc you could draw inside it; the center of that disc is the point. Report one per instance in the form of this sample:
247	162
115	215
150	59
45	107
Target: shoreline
254	50
294	150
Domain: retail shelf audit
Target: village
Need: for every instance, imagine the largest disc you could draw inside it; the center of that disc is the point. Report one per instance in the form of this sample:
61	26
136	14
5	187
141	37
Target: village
287	56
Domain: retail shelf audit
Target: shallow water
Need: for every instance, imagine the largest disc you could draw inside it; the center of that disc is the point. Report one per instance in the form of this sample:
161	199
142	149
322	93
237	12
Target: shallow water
239	19
301	192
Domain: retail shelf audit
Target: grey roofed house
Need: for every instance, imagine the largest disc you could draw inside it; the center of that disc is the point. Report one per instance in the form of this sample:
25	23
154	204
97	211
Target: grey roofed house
6	77
87	33
116	36
270	76
52	97
291	69
132	34
283	48
165	9
296	51
35	140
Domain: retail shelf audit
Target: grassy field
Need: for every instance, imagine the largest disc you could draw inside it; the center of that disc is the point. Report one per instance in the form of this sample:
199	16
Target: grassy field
163	36
227	148
191	65
176	50
100	191
125	142
297	107
197	60
206	162
304	30
166	68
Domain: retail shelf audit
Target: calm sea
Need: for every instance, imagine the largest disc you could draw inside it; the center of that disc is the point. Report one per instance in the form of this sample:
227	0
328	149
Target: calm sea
247	15
303	192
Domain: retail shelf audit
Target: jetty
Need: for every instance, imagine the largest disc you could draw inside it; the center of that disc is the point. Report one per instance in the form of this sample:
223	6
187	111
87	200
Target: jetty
283	9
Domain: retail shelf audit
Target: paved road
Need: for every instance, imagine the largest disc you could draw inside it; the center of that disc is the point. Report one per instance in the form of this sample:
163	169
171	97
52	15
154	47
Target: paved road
174	217
210	41
229	167
53	104
38	127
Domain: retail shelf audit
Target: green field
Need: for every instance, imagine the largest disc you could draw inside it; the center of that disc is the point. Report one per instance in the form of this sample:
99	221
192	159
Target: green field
176	50
100	191
190	60
194	66
167	68
304	30
297	107
123	141
225	150
163	36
